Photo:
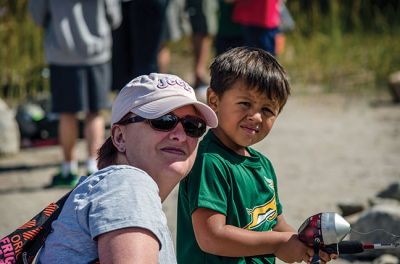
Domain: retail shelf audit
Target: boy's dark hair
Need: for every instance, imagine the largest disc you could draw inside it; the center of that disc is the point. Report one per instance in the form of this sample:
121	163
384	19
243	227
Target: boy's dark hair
256	68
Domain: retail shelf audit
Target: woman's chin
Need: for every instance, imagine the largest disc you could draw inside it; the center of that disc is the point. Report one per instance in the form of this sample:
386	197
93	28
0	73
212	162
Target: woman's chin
178	169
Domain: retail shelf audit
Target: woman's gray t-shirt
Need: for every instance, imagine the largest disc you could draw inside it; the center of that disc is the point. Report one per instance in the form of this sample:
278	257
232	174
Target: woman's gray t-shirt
116	197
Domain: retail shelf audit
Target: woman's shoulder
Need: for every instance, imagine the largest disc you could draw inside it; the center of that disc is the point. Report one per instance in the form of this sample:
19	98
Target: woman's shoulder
118	178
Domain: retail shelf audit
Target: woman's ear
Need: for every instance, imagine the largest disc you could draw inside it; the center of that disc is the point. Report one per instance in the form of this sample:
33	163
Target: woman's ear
118	137
212	99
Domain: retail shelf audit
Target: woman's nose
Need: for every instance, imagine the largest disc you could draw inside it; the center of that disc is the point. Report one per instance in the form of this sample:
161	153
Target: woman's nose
178	133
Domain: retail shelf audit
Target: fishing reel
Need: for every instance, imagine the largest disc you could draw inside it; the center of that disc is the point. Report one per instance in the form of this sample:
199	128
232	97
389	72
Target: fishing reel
325	231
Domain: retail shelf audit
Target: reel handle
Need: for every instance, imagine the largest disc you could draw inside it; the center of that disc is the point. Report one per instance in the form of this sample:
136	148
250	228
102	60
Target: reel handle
344	247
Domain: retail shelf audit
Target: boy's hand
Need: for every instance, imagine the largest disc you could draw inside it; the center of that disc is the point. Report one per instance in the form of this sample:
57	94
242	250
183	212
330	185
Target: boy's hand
293	250
325	257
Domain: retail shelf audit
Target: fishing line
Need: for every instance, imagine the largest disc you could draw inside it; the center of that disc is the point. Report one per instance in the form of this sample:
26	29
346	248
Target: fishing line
395	238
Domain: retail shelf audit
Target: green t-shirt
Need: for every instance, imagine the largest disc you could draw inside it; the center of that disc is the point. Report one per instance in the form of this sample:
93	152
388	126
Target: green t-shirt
242	188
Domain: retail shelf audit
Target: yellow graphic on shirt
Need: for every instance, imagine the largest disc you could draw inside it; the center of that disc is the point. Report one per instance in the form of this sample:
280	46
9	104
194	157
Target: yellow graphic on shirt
262	213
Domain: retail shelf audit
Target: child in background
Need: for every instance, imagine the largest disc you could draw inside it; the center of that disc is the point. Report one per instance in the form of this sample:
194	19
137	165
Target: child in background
228	207
260	20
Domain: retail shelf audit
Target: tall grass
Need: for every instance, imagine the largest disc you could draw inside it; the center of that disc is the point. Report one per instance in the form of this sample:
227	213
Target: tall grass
346	46
21	52
355	63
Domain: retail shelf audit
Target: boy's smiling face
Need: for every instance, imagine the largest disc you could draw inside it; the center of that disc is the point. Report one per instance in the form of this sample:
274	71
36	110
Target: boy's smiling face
245	116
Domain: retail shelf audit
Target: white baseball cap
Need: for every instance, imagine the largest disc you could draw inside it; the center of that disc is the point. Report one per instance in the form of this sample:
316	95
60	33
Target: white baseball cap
151	96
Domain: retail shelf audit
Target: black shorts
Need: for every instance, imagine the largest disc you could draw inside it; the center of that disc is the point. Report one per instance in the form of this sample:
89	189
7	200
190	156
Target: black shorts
203	16
80	88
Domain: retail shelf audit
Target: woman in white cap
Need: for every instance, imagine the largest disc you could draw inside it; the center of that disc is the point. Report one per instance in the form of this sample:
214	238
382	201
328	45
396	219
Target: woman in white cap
115	215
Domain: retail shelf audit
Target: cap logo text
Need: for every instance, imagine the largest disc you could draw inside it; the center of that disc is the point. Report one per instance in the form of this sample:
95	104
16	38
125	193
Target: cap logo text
165	82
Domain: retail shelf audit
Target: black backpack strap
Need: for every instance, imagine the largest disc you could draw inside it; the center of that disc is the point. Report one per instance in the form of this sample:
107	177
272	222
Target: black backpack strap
27	240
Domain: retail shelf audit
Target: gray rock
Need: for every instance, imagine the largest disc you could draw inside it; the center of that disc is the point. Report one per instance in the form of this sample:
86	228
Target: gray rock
379	225
349	208
377	201
394	86
391	192
386	259
3	105
9	136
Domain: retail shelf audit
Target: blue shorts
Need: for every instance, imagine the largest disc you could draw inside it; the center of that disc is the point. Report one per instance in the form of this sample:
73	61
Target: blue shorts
80	88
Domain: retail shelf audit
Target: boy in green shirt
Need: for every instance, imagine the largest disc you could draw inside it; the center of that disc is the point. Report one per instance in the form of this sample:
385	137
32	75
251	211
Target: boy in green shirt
228	206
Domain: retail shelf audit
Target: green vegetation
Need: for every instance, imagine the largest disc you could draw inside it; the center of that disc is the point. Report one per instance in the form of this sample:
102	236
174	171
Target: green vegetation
21	53
357	61
343	46
339	45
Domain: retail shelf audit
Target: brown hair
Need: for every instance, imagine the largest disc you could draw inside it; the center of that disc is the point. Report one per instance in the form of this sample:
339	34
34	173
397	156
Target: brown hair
108	153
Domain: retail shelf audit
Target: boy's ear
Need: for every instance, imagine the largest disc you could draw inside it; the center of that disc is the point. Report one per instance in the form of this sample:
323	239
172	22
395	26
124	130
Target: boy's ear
212	99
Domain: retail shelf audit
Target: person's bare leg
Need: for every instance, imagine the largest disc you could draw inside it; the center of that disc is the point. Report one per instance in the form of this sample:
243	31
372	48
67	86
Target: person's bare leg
68	135
164	58
201	48
94	135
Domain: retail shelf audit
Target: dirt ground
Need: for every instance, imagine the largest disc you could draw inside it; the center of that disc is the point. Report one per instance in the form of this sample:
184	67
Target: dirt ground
325	149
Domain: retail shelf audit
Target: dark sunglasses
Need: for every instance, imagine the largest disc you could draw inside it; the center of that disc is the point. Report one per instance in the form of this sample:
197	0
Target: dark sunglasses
194	127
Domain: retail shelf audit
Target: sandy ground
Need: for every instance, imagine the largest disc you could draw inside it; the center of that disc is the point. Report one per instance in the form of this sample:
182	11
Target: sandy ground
325	149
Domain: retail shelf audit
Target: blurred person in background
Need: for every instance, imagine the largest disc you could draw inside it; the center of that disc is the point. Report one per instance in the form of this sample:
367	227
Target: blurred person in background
138	40
229	34
175	28
78	44
260	20
203	21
